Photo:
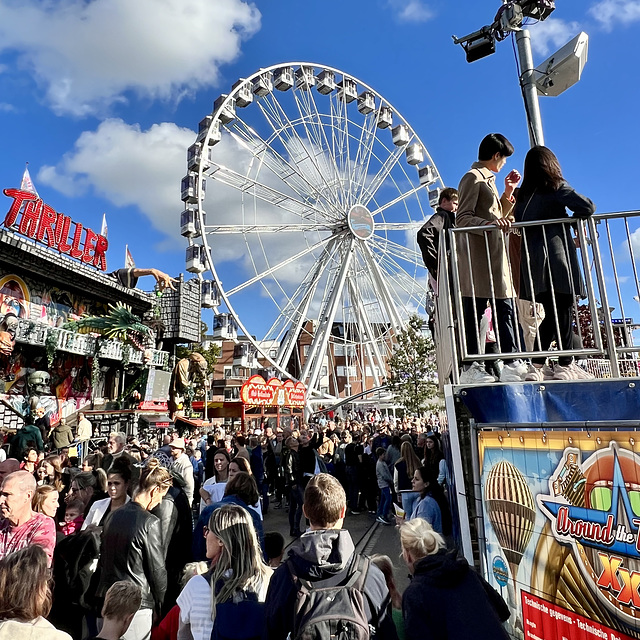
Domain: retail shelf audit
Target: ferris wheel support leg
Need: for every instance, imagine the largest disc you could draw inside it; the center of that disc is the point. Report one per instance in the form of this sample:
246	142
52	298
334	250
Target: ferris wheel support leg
387	300
319	345
371	347
300	314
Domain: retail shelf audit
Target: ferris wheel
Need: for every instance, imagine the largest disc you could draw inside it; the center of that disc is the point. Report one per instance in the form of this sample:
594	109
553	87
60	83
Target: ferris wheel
304	192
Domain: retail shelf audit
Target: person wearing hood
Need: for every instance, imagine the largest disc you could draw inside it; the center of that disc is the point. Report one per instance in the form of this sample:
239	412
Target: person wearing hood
446	599
325	557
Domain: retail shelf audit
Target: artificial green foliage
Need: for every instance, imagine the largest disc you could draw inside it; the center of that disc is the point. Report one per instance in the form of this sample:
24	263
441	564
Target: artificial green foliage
412	368
119	324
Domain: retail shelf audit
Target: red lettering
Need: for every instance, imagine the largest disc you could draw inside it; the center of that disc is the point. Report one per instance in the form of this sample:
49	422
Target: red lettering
89	245
62	232
608	578
76	251
629	593
100	259
30	217
45	228
590	531
18	198
41	222
561	522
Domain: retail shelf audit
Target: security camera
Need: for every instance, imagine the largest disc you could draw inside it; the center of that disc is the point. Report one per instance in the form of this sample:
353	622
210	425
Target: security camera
564	68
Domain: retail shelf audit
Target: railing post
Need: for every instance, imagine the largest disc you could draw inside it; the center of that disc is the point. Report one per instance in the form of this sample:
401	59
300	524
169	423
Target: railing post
604	301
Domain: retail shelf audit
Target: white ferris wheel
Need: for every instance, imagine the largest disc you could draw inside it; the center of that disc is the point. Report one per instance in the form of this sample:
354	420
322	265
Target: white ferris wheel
304	192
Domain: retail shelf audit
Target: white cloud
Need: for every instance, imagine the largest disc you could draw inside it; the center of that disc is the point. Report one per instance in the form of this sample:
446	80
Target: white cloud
411	10
87	55
128	166
6	107
551	34
610	12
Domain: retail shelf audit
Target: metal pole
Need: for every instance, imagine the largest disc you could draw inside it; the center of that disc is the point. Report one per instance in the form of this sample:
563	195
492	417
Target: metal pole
529	91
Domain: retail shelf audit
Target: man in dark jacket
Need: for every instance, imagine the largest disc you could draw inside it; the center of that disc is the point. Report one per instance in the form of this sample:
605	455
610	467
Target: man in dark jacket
324	556
293	481
429	235
174	513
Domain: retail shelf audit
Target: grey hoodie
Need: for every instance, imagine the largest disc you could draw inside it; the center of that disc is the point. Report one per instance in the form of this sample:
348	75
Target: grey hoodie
324	557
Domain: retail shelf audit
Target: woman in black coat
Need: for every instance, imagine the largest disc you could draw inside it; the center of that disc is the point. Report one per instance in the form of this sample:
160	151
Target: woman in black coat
446	599
553	276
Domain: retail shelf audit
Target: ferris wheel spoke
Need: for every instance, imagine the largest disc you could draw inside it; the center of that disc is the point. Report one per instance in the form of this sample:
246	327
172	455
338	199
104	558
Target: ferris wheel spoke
312	124
284	263
327	149
402	280
382	289
263	192
296	310
400	198
341	127
385	170
281	123
374	356
244	228
365	149
275	162
327	317
398	250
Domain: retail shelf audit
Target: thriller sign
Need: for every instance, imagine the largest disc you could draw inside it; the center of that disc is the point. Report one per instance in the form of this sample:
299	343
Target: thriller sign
31	217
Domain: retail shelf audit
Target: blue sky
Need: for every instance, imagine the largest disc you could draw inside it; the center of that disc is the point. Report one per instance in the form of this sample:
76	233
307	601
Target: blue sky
103	97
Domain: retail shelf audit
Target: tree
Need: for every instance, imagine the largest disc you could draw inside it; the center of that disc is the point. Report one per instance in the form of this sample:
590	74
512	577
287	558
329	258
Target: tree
211	354
412	367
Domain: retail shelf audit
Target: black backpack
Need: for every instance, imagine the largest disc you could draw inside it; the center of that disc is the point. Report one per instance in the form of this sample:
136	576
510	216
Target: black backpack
335	612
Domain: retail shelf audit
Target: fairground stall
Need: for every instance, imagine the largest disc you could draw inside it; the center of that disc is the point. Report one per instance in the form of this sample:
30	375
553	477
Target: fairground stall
262	403
73	336
544	475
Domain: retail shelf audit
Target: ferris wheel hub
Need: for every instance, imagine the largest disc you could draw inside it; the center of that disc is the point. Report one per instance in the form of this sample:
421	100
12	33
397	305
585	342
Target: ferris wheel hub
360	222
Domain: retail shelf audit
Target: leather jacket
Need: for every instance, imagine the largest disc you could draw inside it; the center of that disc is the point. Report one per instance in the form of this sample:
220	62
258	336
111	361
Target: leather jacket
132	550
291	467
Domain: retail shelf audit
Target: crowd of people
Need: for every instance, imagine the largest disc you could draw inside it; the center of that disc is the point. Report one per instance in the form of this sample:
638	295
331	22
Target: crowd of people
172	542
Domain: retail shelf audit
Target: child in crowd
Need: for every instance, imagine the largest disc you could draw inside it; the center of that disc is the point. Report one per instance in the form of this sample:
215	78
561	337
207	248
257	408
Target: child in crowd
121	603
274	548
386	566
73	517
168	628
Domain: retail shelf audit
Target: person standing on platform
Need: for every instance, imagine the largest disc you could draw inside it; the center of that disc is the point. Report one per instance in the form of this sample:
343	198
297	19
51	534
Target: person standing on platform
489	276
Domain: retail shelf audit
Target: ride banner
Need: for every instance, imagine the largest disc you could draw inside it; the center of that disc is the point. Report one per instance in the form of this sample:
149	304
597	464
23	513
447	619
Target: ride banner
562	531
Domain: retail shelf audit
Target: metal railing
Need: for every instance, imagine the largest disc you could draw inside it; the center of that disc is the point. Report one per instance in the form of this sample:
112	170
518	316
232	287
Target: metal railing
605	268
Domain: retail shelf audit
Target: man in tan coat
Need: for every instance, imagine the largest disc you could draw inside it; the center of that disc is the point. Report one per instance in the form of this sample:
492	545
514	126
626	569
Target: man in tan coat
482	257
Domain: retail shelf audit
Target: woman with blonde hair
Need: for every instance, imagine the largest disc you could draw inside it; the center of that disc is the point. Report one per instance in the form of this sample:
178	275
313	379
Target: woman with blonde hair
132	547
446	599
229	601
403	472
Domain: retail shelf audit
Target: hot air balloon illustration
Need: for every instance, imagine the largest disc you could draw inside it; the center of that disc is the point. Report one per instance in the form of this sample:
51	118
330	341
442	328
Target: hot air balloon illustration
511	511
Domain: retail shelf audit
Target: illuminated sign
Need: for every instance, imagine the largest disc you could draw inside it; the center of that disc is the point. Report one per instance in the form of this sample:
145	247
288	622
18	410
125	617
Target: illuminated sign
31	217
273	392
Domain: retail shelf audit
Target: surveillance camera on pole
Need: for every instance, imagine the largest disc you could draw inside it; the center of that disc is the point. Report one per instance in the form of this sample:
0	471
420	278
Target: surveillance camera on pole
554	76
